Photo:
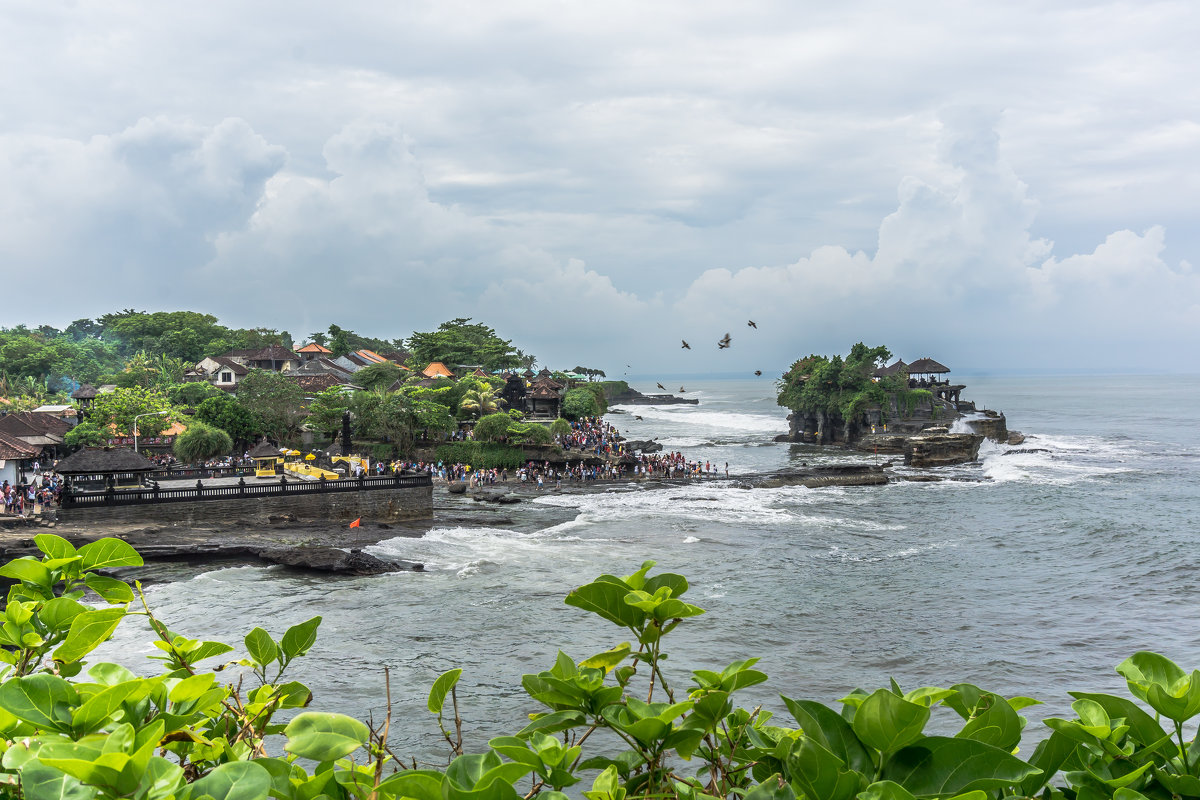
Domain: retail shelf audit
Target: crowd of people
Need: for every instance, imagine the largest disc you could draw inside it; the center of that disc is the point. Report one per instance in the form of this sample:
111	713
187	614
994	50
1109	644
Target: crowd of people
43	491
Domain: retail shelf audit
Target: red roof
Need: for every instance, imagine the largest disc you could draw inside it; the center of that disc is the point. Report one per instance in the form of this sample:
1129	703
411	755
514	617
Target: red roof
12	447
313	348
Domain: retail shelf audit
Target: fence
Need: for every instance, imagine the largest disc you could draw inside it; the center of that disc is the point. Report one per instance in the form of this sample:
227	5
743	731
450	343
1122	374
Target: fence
153	494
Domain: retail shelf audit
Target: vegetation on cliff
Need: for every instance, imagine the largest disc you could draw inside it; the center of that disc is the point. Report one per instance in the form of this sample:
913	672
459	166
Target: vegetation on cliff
205	724
844	388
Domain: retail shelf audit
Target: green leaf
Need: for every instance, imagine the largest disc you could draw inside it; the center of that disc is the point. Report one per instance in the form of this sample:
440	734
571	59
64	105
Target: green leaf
39	782
27	569
942	766
41	699
819	774
553	723
441	687
417	784
888	722
885	790
995	723
261	646
205	650
57	614
299	638
111	589
1142	726
54	546
831	731
87	631
606	597
236	780
102	705
107	553
1048	756
771	789
324	736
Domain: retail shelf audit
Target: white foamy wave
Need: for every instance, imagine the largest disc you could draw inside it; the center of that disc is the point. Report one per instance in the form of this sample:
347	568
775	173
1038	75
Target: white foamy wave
690	540
708	502
461	550
683	441
1060	460
836	553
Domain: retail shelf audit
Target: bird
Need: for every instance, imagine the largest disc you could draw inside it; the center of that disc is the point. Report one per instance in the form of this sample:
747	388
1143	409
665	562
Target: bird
724	343
659	385
686	346
635	416
682	390
752	325
758	372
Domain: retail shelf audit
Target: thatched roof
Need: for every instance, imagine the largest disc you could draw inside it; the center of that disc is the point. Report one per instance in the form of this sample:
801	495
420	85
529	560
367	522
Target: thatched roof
926	366
265	449
85	392
116	459
883	372
275	352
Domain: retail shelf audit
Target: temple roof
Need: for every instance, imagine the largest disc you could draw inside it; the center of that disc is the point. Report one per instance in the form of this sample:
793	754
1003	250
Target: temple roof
883	372
926	366
84	392
438	369
314	348
265	449
86	462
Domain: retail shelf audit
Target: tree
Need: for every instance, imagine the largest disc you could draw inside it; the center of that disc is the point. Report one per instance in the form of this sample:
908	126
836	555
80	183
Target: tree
326	409
85	434
560	427
578	403
379	376
591	374
387	416
191	395
459	342
493	428
275	400
121	406
479	402
201	442
529	433
231	416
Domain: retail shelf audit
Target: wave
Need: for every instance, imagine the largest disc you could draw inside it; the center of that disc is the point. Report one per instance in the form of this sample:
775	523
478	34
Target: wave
730	420
462	550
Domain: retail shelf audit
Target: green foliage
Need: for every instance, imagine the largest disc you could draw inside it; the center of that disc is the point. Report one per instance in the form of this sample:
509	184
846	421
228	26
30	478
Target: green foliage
484	455
479	402
120	407
86	434
341	341
529	433
325	410
493	427
201	442
614	388
275	401
461	342
560	427
590	373
379	376
230	415
652	734
191	395
385	415
580	402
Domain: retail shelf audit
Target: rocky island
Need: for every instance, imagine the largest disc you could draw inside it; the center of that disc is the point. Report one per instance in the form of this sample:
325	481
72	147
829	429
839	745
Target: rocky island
908	409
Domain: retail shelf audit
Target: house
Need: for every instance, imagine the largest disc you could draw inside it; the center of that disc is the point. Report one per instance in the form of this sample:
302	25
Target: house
362	358
16	458
276	358
221	371
313	350
38	429
544	398
68	414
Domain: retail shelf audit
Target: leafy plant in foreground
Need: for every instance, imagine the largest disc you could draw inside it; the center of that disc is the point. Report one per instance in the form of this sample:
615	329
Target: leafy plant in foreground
108	733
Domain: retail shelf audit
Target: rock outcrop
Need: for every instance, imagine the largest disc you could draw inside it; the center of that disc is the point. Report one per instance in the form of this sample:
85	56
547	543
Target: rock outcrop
635	398
941	449
837	475
329	559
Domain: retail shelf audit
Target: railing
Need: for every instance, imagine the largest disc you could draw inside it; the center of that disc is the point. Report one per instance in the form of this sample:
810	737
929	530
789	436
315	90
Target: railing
154	494
172	473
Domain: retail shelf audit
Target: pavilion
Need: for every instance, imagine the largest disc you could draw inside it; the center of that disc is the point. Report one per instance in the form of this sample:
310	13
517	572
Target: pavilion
100	468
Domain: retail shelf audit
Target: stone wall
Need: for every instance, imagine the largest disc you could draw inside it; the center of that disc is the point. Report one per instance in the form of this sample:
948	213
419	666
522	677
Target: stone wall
374	505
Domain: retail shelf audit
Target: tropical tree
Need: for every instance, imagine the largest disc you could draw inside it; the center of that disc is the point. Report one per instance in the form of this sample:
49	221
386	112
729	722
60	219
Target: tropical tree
120	407
326	409
86	434
479	402
201	442
461	342
192	394
560	427
493	427
380	376
276	401
578	403
231	416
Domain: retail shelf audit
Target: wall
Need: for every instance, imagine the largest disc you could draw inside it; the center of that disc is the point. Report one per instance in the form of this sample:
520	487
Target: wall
375	505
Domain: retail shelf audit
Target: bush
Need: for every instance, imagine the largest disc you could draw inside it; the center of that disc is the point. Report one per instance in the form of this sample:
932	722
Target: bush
580	402
481	454
560	427
201	442
85	434
529	433
493	427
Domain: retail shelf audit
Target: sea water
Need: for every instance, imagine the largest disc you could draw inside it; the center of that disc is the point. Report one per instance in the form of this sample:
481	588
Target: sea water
1029	573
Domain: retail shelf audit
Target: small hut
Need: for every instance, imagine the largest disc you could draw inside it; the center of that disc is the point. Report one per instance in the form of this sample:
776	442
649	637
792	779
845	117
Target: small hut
884	372
926	367
266	456
84	396
101	468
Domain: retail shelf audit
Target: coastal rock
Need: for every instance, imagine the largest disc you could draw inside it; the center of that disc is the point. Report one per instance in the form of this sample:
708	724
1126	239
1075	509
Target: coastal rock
635	398
992	425
325	559
1025	450
1016	437
457	488
649	446
838	475
941	449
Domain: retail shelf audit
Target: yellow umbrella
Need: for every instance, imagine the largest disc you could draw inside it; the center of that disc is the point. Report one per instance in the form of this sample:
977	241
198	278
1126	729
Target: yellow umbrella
292	453
310	457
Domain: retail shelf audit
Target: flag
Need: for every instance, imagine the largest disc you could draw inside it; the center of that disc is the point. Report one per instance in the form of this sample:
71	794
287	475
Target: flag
356	522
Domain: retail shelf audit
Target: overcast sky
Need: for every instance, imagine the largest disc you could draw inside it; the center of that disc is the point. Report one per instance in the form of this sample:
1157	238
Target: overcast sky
995	185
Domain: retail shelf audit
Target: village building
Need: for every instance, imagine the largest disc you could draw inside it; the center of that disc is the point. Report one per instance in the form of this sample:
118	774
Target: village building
84	397
276	358
68	414
99	469
313	350
41	430
16	459
437	370
544	397
222	372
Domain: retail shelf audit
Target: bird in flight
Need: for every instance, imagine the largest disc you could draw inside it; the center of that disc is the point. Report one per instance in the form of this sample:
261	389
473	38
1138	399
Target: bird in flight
758	372
682	390
724	342
659	385
686	346
752	325
635	416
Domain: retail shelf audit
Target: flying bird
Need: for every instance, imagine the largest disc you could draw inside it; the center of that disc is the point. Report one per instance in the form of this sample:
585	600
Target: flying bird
758	372
659	385
724	343
752	325
686	346
682	390
635	416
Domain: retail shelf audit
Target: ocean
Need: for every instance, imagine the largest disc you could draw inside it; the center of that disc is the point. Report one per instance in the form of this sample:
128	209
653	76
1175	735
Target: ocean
1030	573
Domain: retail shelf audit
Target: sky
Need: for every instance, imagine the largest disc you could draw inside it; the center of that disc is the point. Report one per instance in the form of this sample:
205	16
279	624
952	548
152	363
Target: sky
998	186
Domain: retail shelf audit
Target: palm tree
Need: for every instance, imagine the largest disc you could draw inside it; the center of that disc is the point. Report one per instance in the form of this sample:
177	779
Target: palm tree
480	402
